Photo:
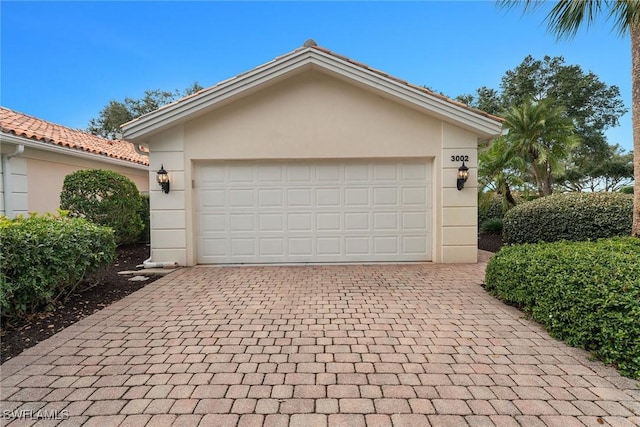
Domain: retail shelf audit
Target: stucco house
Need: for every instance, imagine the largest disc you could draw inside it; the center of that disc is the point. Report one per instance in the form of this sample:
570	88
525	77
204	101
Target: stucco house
313	157
36	155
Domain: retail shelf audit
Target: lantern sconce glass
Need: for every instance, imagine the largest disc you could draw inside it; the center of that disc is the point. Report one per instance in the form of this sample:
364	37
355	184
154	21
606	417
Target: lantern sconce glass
463	175
163	179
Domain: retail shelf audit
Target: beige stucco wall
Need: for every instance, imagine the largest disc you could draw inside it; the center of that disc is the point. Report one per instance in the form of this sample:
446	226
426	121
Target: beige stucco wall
312	116
46	172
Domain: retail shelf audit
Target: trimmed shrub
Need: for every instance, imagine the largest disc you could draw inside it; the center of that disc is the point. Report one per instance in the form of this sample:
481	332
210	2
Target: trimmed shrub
145	216
585	293
105	198
490	206
627	190
492	226
43	258
569	216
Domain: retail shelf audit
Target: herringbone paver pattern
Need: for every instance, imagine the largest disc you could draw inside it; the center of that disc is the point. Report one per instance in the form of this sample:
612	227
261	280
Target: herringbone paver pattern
356	345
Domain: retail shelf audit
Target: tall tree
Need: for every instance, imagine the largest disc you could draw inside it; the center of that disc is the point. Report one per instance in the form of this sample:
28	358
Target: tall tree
499	171
116	113
540	133
566	17
592	104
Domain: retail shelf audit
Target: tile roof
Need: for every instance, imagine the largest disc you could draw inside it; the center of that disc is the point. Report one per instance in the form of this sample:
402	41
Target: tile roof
40	130
310	44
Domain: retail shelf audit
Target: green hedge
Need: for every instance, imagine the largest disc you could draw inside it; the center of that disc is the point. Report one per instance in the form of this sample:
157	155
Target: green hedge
490	206
569	216
44	257
585	293
145	216
105	198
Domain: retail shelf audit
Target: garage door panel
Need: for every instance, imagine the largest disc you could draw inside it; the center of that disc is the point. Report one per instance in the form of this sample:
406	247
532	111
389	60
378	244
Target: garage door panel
415	172
328	221
385	196
241	198
356	197
241	222
414	244
414	196
241	174
356	221
358	245
269	173
328	197
386	245
214	223
270	198
272	222
299	197
385	221
385	173
215	247
298	173
300	222
356	174
272	246
243	246
331	246
300	246
414	221
329	174
212	198
314	211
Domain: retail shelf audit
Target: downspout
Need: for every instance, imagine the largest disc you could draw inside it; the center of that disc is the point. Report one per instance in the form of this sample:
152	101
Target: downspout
6	180
166	264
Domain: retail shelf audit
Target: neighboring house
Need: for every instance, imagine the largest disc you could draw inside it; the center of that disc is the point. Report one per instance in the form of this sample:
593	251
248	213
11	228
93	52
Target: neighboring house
313	157
36	155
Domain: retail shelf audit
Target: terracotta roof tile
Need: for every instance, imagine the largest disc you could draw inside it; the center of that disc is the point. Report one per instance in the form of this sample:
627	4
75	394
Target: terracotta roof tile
50	133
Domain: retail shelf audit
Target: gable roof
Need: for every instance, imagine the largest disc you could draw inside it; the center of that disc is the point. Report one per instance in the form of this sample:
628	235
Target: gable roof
316	57
47	133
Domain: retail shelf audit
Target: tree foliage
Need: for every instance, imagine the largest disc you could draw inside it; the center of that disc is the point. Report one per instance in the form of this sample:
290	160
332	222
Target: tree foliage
592	104
567	16
116	113
612	173
541	134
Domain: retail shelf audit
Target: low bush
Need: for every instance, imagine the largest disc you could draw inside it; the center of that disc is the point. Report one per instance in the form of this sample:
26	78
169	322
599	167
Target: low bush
491	226
490	206
145	216
43	258
569	216
585	293
105	198
627	189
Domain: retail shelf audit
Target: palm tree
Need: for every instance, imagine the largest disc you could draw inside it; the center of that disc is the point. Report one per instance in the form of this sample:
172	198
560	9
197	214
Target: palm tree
566	17
499	171
543	136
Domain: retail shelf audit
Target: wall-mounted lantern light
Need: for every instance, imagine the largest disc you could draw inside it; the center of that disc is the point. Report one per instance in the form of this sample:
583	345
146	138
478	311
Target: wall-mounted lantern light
163	179
463	175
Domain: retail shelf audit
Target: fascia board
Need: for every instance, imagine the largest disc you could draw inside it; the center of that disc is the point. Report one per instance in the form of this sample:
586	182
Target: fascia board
439	107
19	140
173	114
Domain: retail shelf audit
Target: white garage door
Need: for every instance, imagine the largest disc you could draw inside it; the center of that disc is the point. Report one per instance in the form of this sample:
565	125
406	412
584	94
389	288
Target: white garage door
313	211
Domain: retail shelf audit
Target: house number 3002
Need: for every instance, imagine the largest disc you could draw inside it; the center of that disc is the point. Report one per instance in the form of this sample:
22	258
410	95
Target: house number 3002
459	158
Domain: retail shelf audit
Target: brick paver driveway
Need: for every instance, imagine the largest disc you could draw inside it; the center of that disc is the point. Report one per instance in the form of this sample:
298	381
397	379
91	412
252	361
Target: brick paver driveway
412	345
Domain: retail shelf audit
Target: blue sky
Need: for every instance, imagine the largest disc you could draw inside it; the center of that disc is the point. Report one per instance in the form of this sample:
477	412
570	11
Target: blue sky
64	61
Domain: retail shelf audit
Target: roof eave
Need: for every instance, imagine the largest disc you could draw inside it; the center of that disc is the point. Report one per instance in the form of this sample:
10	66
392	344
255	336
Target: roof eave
11	138
173	114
